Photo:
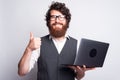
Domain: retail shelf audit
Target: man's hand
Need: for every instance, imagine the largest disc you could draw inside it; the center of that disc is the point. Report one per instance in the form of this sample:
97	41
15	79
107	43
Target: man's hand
24	64
34	42
80	71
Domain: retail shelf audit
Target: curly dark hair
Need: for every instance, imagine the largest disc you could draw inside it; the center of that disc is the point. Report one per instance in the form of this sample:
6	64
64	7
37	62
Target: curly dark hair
61	7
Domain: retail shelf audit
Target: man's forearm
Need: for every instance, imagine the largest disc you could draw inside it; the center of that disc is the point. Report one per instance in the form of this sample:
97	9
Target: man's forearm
23	66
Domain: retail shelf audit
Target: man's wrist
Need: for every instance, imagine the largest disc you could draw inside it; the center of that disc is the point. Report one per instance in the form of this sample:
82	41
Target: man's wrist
78	75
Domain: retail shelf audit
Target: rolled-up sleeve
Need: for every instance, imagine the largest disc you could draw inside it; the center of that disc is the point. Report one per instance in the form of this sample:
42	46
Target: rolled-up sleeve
34	57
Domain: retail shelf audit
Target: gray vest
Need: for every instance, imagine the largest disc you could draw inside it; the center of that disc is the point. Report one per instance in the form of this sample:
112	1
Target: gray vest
50	62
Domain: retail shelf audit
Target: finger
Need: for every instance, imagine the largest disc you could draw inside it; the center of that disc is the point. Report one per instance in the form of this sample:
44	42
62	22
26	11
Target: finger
78	67
31	35
72	67
37	40
84	67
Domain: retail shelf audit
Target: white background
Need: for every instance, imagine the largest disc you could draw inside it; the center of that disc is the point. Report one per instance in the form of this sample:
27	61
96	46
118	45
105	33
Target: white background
94	19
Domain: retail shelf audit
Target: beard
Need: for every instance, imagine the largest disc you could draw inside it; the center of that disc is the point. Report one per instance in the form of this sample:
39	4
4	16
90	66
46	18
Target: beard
56	31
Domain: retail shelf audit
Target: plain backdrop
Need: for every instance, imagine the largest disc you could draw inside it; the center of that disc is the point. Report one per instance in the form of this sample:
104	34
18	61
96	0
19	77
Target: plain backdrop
93	19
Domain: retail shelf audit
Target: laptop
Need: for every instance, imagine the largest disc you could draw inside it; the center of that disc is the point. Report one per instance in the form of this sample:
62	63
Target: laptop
91	53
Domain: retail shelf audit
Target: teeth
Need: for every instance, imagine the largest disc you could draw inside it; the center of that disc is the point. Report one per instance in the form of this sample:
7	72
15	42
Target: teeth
58	26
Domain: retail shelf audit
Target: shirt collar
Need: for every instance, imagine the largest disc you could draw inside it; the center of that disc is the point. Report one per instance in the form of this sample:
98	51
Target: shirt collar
66	36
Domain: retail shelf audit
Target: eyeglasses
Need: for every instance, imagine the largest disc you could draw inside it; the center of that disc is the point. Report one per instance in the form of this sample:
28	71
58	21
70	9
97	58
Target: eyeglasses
54	17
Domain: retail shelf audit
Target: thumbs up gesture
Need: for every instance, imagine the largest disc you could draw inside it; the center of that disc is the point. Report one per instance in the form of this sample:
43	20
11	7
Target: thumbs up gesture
34	42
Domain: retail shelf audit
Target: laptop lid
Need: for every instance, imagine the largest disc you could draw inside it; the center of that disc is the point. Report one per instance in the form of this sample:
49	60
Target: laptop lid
91	53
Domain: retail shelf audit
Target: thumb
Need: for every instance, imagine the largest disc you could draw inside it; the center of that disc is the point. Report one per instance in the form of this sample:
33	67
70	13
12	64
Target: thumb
31	35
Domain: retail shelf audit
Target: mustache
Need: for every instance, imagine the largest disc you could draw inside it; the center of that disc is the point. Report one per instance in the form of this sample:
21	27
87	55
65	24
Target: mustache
57	23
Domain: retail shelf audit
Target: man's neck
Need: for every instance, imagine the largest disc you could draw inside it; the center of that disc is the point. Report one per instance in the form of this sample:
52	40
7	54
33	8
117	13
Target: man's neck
59	39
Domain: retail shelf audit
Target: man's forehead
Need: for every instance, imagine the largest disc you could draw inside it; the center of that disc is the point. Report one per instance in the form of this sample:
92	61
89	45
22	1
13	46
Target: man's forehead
55	12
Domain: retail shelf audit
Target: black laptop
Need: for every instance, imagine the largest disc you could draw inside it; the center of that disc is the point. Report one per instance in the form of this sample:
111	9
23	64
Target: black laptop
91	53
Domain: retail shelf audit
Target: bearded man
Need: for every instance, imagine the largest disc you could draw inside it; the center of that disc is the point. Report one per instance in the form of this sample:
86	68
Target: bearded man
53	50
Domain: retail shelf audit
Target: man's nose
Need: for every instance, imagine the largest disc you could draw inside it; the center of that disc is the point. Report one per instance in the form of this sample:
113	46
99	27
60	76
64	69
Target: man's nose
57	19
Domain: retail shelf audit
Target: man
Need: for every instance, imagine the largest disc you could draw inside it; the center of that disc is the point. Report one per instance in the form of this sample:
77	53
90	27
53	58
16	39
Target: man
53	50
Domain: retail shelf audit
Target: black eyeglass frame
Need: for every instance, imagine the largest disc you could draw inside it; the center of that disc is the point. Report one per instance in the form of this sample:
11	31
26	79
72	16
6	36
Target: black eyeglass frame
54	17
